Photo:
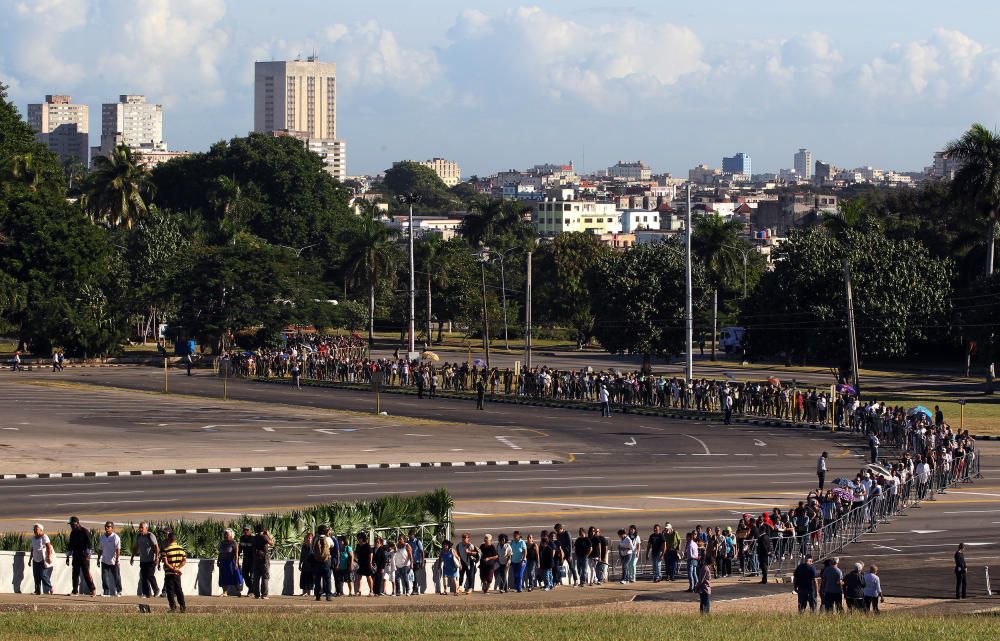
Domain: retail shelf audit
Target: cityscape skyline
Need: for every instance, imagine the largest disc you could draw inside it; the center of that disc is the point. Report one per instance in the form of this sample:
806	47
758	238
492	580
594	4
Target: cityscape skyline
407	87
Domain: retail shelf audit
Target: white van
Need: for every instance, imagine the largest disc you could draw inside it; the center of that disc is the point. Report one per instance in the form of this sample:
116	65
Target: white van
732	339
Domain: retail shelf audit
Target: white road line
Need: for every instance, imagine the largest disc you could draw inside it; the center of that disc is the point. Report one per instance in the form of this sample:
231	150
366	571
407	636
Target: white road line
711	467
581	505
886	547
974	512
552	478
681	498
31	487
506	441
227	513
418	434
759	443
471	513
707	451
305	485
357	493
768	474
118	501
976	493
101	492
573	487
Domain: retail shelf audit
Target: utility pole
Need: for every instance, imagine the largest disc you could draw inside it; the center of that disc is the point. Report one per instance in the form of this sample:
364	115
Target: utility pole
852	335
688	306
715	318
410	199
486	320
527	317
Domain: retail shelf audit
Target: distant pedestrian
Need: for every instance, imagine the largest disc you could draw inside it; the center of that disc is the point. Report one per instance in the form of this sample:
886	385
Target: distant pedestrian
41	559
873	444
854	588
961	571
189	362
691	555
15	363
246	558
174	558
363	555
805	583
480	393
419	570
832	585
873	590
230	579
306	566
296	375
704	584
604	399
111	547
262	544
322	563
450	563
78	553
147	549
821	470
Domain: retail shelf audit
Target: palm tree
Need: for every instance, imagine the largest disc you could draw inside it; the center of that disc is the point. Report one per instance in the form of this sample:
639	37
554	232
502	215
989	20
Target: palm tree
117	190
492	219
853	215
371	254
433	258
234	205
28	169
717	242
977	183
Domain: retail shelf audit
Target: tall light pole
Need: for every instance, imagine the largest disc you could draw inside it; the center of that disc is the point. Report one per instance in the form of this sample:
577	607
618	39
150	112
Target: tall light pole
409	199
483	257
501	256
527	318
688	305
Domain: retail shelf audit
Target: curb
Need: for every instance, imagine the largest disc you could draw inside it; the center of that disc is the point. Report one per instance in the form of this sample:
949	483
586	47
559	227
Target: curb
275	468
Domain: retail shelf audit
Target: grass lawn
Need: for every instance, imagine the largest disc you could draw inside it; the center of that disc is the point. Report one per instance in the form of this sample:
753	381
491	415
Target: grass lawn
578	626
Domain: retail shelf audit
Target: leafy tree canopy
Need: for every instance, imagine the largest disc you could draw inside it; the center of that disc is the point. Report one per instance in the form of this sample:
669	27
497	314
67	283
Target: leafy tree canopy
410	177
564	270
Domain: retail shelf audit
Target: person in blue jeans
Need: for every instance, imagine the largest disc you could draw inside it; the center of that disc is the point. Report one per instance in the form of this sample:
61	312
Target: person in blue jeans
654	549
518	561
691	556
546	561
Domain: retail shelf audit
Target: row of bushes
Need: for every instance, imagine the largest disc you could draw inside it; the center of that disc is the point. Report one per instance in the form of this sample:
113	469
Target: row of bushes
391	514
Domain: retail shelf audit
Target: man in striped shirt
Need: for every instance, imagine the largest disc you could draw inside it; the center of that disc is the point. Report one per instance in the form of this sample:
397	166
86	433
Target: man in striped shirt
173	558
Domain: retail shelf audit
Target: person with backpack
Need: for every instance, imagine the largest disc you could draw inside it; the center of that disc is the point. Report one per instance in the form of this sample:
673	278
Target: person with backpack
262	544
322	563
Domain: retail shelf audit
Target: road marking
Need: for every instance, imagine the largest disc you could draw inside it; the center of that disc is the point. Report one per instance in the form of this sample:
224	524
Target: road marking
592	507
327	430
632	441
9	428
974	512
573	487
305	485
418	434
681	498
976	493
506	441
700	441
118	501
650	427
84	493
31	487
226	513
768	474
886	547
356	493
267	429
471	513
553	478
927	531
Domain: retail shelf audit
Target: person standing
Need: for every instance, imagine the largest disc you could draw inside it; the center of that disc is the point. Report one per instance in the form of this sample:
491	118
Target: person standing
832	582
805	582
727	406
262	543
78	553
449	568
111	547
147	548
873	590
345	561
604	399
582	548
322	563
229	570
691	556
363	556
854	589
306	580
246	557
873	444
518	554
763	549
821	470
174	558
566	545
40	560
961	571
480	392
654	547
488	558
673	548
704	585
419	566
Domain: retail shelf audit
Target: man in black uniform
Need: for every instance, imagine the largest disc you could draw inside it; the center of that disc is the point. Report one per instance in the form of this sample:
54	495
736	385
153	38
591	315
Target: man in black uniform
246	554
804	582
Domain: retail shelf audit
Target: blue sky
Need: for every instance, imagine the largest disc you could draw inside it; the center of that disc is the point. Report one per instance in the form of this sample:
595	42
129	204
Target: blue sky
494	85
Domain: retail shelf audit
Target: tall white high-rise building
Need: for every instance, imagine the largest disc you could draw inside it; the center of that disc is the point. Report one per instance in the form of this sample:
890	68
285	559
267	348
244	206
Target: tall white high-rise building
133	122
299	98
804	164
61	126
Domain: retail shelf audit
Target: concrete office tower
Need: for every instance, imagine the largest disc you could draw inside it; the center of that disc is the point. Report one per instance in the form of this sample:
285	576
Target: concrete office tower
133	122
803	164
299	98
62	126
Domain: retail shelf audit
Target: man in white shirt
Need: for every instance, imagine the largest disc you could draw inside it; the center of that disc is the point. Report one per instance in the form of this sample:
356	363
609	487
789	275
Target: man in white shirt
604	399
111	547
821	470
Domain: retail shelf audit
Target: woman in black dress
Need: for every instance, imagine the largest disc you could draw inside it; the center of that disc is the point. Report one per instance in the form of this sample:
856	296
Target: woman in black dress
306	565
487	562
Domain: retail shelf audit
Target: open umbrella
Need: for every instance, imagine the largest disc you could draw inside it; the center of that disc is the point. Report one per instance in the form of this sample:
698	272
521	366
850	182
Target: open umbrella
841	481
774	380
430	356
919	409
843	388
478	362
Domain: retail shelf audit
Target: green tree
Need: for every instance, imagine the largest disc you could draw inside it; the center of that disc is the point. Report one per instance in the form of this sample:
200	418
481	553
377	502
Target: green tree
33	170
371	256
234	206
410	177
16	135
564	270
977	182
638	299
496	224
799	309
117	191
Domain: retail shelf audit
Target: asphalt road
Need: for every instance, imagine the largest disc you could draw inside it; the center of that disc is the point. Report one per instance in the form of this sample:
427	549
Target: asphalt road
617	471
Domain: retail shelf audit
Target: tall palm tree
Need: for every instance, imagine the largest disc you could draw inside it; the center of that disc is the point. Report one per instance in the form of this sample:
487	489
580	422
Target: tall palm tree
118	189
433	259
234	204
717	243
492	219
977	183
28	169
372	254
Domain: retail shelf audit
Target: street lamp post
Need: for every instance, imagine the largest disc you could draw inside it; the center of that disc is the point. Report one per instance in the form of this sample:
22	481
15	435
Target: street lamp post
688	304
501	256
409	199
483	257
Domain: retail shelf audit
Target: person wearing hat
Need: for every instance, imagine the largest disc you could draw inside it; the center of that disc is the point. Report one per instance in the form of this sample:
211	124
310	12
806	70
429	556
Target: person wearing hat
246	554
78	553
673	550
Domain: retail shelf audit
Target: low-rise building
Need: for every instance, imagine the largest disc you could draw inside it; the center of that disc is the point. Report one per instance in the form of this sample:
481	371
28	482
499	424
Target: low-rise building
448	171
634	219
552	217
630	171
